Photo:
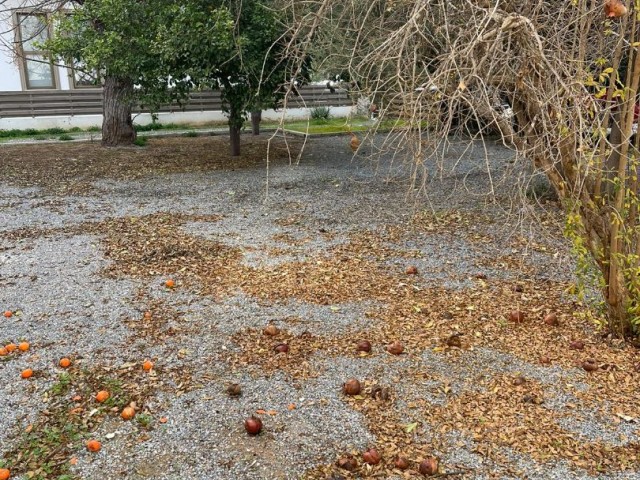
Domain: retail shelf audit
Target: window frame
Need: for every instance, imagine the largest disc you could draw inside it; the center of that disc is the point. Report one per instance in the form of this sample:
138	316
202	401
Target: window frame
23	54
71	72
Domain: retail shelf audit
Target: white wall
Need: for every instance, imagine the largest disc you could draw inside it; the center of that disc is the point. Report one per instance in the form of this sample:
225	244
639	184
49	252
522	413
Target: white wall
180	118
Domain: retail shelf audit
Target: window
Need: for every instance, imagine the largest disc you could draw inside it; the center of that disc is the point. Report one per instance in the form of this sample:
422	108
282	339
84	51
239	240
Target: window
37	66
82	77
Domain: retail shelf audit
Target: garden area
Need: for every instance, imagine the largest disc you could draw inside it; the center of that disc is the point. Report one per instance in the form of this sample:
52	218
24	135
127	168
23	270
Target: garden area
173	312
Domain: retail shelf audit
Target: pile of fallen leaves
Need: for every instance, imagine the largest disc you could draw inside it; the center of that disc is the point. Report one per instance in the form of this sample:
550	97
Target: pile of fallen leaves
70	168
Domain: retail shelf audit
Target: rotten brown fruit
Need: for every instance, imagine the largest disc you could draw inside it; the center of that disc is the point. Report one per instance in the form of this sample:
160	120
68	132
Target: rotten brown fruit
401	463
371	456
395	348
351	387
429	466
271	330
347	463
363	346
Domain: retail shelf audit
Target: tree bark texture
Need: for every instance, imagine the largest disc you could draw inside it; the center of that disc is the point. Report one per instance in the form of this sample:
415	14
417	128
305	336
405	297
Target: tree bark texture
117	125
256	118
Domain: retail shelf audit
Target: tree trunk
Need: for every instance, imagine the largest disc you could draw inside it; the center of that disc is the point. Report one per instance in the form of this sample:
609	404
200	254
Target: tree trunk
256	118
236	120
117	125
234	136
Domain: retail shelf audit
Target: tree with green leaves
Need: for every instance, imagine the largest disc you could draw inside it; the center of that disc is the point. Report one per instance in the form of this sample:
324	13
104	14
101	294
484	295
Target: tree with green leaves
254	76
125	43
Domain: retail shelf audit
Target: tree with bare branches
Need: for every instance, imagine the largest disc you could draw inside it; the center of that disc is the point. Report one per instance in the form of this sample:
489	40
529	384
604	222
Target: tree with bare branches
568	71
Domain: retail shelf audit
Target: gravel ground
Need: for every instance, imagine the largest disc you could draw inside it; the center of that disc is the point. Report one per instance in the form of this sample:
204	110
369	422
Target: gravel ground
66	306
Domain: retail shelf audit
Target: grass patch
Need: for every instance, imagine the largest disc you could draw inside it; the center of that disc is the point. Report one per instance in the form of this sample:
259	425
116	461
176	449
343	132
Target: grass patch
65	137
45	448
140	141
340	125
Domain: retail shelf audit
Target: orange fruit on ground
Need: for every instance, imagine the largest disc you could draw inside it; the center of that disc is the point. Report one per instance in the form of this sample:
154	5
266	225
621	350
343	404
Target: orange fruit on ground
147	365
24	346
8	313
170	283
102	396
65	362
128	413
163	419
4	473
94	445
11	347
3	352
28	373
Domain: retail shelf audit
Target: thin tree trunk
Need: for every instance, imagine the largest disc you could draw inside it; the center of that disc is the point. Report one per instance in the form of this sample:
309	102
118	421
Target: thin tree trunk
256	118
117	125
234	136
235	124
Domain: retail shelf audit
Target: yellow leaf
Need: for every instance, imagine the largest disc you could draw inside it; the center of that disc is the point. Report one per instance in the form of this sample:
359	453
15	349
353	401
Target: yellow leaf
410	427
601	93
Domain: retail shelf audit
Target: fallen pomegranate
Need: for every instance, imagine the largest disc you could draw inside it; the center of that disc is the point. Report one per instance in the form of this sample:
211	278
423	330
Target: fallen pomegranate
270	330
552	320
395	348
282	348
576	345
253	425
412	270
347	463
401	463
351	387
429	466
371	456
590	365
516	316
363	346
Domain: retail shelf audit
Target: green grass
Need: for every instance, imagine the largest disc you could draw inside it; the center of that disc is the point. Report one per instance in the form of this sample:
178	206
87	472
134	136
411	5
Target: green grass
48	133
43	451
339	125
140	141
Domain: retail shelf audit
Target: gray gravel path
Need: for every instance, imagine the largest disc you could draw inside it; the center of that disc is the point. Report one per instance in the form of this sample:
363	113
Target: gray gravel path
67	307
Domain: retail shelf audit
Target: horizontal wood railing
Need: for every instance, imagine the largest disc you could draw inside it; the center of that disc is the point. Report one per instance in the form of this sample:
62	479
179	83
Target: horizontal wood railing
40	103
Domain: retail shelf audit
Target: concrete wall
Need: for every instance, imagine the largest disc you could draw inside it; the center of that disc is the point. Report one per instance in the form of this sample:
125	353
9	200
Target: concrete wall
180	118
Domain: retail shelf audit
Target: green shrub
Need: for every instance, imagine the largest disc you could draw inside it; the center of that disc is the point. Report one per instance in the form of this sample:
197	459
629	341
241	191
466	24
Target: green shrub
321	113
141	141
65	137
148	128
53	131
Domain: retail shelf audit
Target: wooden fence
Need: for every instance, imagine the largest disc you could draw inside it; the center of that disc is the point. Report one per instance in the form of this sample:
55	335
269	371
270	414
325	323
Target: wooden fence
43	103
